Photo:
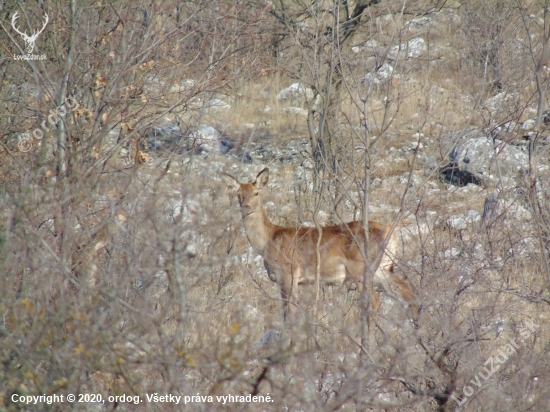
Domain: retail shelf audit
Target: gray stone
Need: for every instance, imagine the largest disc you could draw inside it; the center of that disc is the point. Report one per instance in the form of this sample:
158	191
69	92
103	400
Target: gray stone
528	125
411	49
271	337
379	75
421	24
211	140
296	94
168	137
217	104
458	222
502	100
475	158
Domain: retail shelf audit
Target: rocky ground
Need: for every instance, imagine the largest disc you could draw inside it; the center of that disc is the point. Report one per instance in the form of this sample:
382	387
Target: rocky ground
161	276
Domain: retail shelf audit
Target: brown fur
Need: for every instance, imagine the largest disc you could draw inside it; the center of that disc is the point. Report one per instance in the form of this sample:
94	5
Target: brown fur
290	253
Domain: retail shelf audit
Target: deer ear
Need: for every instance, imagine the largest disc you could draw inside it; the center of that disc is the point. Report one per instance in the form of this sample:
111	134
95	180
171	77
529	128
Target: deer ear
262	178
230	181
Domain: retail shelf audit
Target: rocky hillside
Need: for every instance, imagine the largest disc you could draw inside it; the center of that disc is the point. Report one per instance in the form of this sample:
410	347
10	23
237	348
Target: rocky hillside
127	267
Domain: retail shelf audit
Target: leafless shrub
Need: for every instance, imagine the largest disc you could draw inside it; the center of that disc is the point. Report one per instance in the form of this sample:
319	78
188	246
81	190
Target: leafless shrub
128	273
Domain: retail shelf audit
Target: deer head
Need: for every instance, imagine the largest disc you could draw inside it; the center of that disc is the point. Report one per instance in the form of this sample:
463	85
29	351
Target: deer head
248	193
29	40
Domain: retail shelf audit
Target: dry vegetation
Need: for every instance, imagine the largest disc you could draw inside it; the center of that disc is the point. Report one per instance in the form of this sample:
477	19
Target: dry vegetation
125	270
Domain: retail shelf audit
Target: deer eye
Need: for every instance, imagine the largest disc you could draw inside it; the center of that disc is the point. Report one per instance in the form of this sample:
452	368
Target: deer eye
256	193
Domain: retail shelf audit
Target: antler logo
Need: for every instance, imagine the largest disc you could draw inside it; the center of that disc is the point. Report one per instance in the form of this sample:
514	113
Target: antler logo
29	40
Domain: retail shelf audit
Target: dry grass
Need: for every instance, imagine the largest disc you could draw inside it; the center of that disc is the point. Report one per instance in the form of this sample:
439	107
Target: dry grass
175	301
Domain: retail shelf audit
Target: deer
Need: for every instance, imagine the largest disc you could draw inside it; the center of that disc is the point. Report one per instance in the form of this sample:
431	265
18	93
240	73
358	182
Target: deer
290	253
29	40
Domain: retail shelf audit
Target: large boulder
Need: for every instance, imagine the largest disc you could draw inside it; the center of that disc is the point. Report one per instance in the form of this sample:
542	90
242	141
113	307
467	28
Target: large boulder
476	158
296	94
211	140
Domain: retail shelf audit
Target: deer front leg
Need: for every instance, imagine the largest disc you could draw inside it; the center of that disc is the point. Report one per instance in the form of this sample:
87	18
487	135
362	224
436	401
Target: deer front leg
285	296
289	295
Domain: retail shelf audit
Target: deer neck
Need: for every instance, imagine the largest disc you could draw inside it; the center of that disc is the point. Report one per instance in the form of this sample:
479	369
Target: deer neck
259	230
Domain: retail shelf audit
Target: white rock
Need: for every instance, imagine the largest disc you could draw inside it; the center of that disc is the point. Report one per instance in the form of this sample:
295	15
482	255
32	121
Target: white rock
413	48
416	47
450	253
421	23
152	84
296	94
270	206
501	100
416	145
371	44
208	132
462	222
469	188
472	215
191	250
379	76
216	104
528	125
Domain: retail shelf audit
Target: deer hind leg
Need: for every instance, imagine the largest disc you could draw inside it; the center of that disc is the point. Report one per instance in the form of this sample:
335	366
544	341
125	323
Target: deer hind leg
285	296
